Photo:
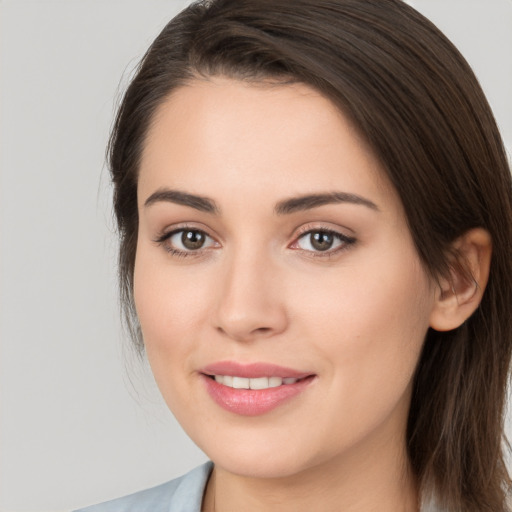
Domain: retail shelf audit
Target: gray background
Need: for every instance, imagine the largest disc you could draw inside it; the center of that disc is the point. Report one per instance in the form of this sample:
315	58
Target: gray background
80	419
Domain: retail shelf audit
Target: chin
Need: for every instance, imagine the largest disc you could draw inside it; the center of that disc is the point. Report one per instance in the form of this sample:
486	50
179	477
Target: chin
261	466
258	457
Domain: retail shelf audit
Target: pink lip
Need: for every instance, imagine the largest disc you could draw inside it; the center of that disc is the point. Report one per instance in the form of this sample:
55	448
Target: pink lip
253	370
253	402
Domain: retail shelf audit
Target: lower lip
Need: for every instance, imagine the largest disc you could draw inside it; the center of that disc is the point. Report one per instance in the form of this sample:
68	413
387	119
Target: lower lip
253	402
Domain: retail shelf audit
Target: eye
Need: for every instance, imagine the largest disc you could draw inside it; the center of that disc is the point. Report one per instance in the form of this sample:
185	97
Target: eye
322	241
186	241
189	240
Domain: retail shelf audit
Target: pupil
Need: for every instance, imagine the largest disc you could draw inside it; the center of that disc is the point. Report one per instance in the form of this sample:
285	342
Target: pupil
192	239
322	241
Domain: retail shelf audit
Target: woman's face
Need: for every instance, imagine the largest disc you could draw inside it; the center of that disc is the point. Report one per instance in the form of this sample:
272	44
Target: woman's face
271	246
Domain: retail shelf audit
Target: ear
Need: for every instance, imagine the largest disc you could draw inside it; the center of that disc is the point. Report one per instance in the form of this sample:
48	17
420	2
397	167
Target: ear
459	294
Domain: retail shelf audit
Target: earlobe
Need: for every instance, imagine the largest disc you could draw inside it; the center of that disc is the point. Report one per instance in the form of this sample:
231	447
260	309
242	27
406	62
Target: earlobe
459	294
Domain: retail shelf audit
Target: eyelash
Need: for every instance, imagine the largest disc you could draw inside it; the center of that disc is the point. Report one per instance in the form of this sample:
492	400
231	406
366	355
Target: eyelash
165	237
345	241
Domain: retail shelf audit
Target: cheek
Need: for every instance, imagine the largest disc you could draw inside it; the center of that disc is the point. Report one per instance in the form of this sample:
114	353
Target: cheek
169	306
390	299
370	326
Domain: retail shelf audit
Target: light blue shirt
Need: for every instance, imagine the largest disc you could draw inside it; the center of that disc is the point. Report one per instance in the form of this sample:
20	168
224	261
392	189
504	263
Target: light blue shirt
184	494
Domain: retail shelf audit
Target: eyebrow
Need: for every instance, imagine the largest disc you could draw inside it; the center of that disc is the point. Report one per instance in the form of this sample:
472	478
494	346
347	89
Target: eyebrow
201	203
306	202
285	207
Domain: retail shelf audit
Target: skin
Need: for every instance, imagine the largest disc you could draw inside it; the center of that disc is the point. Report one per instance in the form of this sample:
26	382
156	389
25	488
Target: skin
258	291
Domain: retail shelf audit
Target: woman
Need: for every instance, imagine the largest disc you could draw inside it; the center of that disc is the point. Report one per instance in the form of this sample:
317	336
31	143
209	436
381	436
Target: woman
314	206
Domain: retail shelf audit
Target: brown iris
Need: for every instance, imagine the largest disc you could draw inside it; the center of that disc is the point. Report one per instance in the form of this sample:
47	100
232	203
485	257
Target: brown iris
321	240
192	240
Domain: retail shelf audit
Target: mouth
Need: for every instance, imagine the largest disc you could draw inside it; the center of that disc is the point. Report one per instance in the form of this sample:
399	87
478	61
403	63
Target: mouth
254	389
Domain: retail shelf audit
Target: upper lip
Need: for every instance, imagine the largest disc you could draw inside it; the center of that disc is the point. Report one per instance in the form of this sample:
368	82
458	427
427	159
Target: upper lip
252	370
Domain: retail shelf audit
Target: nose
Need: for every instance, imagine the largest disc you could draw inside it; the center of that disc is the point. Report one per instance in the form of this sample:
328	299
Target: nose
251	300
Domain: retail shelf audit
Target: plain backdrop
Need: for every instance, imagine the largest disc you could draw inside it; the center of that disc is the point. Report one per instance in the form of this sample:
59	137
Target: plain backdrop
81	420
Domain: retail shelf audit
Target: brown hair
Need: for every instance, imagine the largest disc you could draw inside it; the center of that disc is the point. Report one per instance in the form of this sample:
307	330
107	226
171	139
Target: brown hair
416	101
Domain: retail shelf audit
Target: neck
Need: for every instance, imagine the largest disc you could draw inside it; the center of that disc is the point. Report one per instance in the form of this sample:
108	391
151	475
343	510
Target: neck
375	477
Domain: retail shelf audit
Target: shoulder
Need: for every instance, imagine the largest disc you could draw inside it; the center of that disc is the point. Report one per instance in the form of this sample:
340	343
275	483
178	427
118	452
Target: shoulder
185	494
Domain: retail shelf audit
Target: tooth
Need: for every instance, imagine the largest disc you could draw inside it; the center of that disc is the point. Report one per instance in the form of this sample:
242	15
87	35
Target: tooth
240	383
258	383
255	383
273	382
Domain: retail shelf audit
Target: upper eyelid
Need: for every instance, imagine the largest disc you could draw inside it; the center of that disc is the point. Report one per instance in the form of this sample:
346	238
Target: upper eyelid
173	232
311	228
167	232
323	226
334	232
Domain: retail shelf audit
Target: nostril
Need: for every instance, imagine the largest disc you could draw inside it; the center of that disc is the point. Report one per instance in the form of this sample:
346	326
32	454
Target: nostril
243	322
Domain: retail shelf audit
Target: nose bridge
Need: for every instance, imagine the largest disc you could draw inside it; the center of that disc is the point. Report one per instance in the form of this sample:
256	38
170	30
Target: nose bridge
251	302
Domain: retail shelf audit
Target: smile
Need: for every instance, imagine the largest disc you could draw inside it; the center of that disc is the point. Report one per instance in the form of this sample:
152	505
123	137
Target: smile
254	383
254	389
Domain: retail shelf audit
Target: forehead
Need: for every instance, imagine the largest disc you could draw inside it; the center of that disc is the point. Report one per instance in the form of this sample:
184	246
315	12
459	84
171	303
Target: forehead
221	135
